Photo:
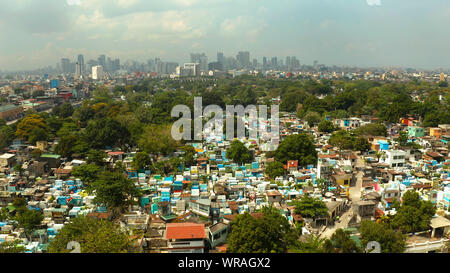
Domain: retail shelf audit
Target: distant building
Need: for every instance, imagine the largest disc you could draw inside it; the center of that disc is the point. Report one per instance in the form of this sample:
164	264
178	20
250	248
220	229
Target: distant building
243	59
97	72
10	112
201	59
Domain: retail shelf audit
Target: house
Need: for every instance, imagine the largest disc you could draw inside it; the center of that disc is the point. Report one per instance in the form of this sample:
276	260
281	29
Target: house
415	131
185	237
273	196
365	209
218	234
436	132
395	158
201	207
440	226
10	112
7	160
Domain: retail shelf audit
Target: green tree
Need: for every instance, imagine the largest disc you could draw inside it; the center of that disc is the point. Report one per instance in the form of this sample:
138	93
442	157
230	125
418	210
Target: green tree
114	190
188	156
326	126
309	207
340	242
414	214
93	235
373	129
87	173
275	169
312	118
402	138
141	161
6	136
271	233
297	147
12	247
389	240
65	146
239	153
29	220
157	140
96	157
37	134
361	144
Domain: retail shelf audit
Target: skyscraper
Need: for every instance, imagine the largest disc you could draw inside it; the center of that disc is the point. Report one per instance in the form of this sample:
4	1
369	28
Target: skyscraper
201	59
65	66
274	62
264	62
97	73
81	63
102	60
221	59
243	59
78	72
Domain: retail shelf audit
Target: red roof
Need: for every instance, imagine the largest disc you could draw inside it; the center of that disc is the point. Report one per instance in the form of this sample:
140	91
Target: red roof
115	153
185	231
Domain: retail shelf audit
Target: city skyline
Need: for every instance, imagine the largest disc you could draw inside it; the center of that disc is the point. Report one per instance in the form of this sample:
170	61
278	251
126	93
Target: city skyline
344	33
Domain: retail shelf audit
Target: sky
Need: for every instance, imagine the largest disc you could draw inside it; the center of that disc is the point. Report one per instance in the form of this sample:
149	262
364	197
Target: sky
407	33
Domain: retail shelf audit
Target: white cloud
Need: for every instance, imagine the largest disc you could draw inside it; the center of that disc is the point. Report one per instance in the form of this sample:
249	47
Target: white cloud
374	2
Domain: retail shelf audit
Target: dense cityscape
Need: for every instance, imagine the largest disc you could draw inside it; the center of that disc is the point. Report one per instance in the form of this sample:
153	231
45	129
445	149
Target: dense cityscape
89	161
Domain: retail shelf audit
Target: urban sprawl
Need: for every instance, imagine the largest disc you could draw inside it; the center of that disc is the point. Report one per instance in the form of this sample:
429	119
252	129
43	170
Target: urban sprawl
87	156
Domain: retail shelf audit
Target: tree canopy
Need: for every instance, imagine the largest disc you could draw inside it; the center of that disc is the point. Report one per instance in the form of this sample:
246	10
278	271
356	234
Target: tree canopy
93	235
297	147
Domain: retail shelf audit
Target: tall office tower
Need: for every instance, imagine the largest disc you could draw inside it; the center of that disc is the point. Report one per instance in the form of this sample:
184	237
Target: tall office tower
243	59
201	59
158	66
316	63
65	65
102	60
288	63
264	62
81	62
274	62
221	59
116	65
255	63
194	68
97	72
78	72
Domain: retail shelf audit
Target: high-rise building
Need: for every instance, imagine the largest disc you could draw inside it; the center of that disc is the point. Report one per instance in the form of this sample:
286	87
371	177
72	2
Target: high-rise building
442	77
78	72
274	62
194	67
102	60
201	59
97	72
288	63
221	59
65	66
255	63
264	62
243	59
81	62
215	66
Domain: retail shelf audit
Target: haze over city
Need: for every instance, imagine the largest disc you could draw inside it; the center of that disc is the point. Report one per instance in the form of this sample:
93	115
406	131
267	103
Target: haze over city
336	32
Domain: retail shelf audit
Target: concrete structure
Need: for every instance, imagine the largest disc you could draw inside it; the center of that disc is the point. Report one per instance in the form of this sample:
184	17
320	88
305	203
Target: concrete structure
10	112
395	158
97	72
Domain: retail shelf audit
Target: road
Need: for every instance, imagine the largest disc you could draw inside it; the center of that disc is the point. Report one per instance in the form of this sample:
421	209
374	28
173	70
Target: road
354	196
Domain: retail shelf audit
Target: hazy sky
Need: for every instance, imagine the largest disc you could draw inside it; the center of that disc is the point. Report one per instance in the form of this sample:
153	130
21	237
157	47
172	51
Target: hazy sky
410	33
